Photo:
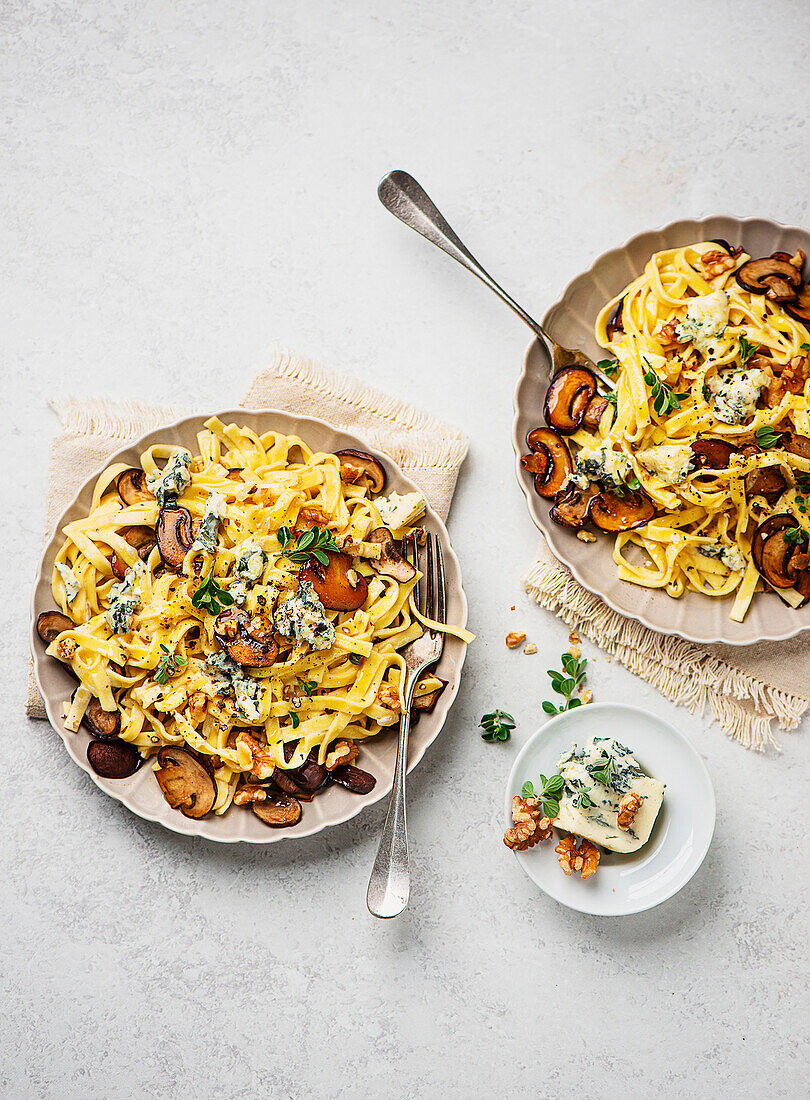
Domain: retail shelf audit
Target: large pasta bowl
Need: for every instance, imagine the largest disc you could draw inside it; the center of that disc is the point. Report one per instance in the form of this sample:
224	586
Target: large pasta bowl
141	793
570	321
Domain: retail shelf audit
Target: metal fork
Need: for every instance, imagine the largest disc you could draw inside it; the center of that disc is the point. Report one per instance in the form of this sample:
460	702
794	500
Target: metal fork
407	200
390	884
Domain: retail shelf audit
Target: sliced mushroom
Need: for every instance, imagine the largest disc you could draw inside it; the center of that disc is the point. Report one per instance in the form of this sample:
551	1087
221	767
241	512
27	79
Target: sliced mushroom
550	444
103	724
800	559
309	776
142	539
361	467
713	454
572	506
339	585
802	586
766	482
279	811
50	624
777	279
283	781
175	534
426	703
800	308
247	639
797	445
594	412
568	398
613	513
767	528
187	785
390	563
615	326
113	759
776	555
353	779
131	486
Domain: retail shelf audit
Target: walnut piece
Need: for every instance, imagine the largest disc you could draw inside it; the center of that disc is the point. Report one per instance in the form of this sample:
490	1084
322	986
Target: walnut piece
530	649
668	337
66	649
262	764
342	752
586	697
197	706
628	808
249	793
584	860
717	262
791	378
388	696
515	638
586	536
530	824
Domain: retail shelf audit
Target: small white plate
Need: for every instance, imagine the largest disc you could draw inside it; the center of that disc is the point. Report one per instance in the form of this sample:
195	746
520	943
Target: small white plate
682	832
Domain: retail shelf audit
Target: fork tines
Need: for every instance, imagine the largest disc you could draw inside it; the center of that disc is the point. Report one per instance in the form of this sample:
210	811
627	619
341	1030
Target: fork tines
434	605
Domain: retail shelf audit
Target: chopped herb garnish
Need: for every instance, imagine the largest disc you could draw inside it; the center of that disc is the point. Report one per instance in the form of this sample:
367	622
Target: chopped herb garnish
294	719
603	770
549	793
497	726
168	665
608	366
663	398
307	686
211	597
309	544
767	437
620	487
796	536
355	658
582	800
805	347
746	350
565	683
611	398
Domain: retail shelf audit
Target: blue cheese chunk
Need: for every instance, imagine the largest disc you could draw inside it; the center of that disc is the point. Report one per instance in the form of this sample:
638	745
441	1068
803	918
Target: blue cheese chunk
600	463
734	394
728	555
590	808
229	678
209	526
72	586
250	561
400	510
125	599
302	618
670	464
706	319
175	477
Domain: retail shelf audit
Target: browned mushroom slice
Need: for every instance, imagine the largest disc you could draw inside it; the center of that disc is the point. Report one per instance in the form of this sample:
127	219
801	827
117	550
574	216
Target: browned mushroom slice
361	467
390	562
767	528
353	779
612	513
800	308
776	555
174	534
142	539
714	454
247	639
426	703
113	759
767	482
775	278
549	443
568	398
282	780
103	724
279	811
187	786
536	462
797	444
50	624
615	326
339	585
311	775
800	559
131	486
802	585
594	412
572	506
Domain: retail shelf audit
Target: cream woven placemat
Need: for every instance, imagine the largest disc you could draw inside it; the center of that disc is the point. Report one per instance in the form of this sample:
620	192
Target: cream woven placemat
425	448
749	689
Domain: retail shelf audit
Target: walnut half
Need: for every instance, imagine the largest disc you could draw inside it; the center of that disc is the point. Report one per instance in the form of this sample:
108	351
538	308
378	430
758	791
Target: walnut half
530	824
585	859
628	808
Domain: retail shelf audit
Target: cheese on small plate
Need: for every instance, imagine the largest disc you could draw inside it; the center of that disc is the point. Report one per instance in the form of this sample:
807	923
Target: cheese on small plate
590	808
400	511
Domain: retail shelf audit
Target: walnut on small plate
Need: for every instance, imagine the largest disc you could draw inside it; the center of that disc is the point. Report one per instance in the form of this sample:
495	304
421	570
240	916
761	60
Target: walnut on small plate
584	859
530	824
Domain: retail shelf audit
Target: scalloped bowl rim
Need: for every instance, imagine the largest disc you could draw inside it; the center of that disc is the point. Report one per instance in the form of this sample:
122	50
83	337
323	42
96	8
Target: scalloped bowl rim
165	816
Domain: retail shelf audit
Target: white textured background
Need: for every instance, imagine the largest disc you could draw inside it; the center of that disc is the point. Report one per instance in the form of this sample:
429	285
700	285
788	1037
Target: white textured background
183	184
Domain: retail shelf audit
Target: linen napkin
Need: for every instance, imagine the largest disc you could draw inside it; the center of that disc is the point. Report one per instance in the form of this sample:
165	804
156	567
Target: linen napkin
425	448
748	688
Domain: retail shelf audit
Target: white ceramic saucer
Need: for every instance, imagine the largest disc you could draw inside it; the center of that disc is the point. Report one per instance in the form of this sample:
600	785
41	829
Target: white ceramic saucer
683	830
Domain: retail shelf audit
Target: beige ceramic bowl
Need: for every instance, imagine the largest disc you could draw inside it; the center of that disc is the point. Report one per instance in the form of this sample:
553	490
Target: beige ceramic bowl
140	793
570	322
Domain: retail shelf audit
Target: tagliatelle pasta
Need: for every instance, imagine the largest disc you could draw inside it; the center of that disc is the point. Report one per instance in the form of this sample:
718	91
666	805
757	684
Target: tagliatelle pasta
237	604
708	422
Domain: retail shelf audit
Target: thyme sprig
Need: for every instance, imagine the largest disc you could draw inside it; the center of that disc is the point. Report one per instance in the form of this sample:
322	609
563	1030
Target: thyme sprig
746	350
168	665
565	683
497	726
549	793
308	544
211	597
664	398
767	437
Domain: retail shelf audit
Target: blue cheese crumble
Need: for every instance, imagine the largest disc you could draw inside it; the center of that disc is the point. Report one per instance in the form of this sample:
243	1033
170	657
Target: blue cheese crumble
175	477
706	319
125	598
600	463
398	511
302	618
670	464
734	394
250	562
229	678
728	555
72	586
209	526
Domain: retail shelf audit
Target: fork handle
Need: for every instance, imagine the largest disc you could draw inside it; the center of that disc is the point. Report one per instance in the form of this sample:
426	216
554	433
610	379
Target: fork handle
390	884
403	197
